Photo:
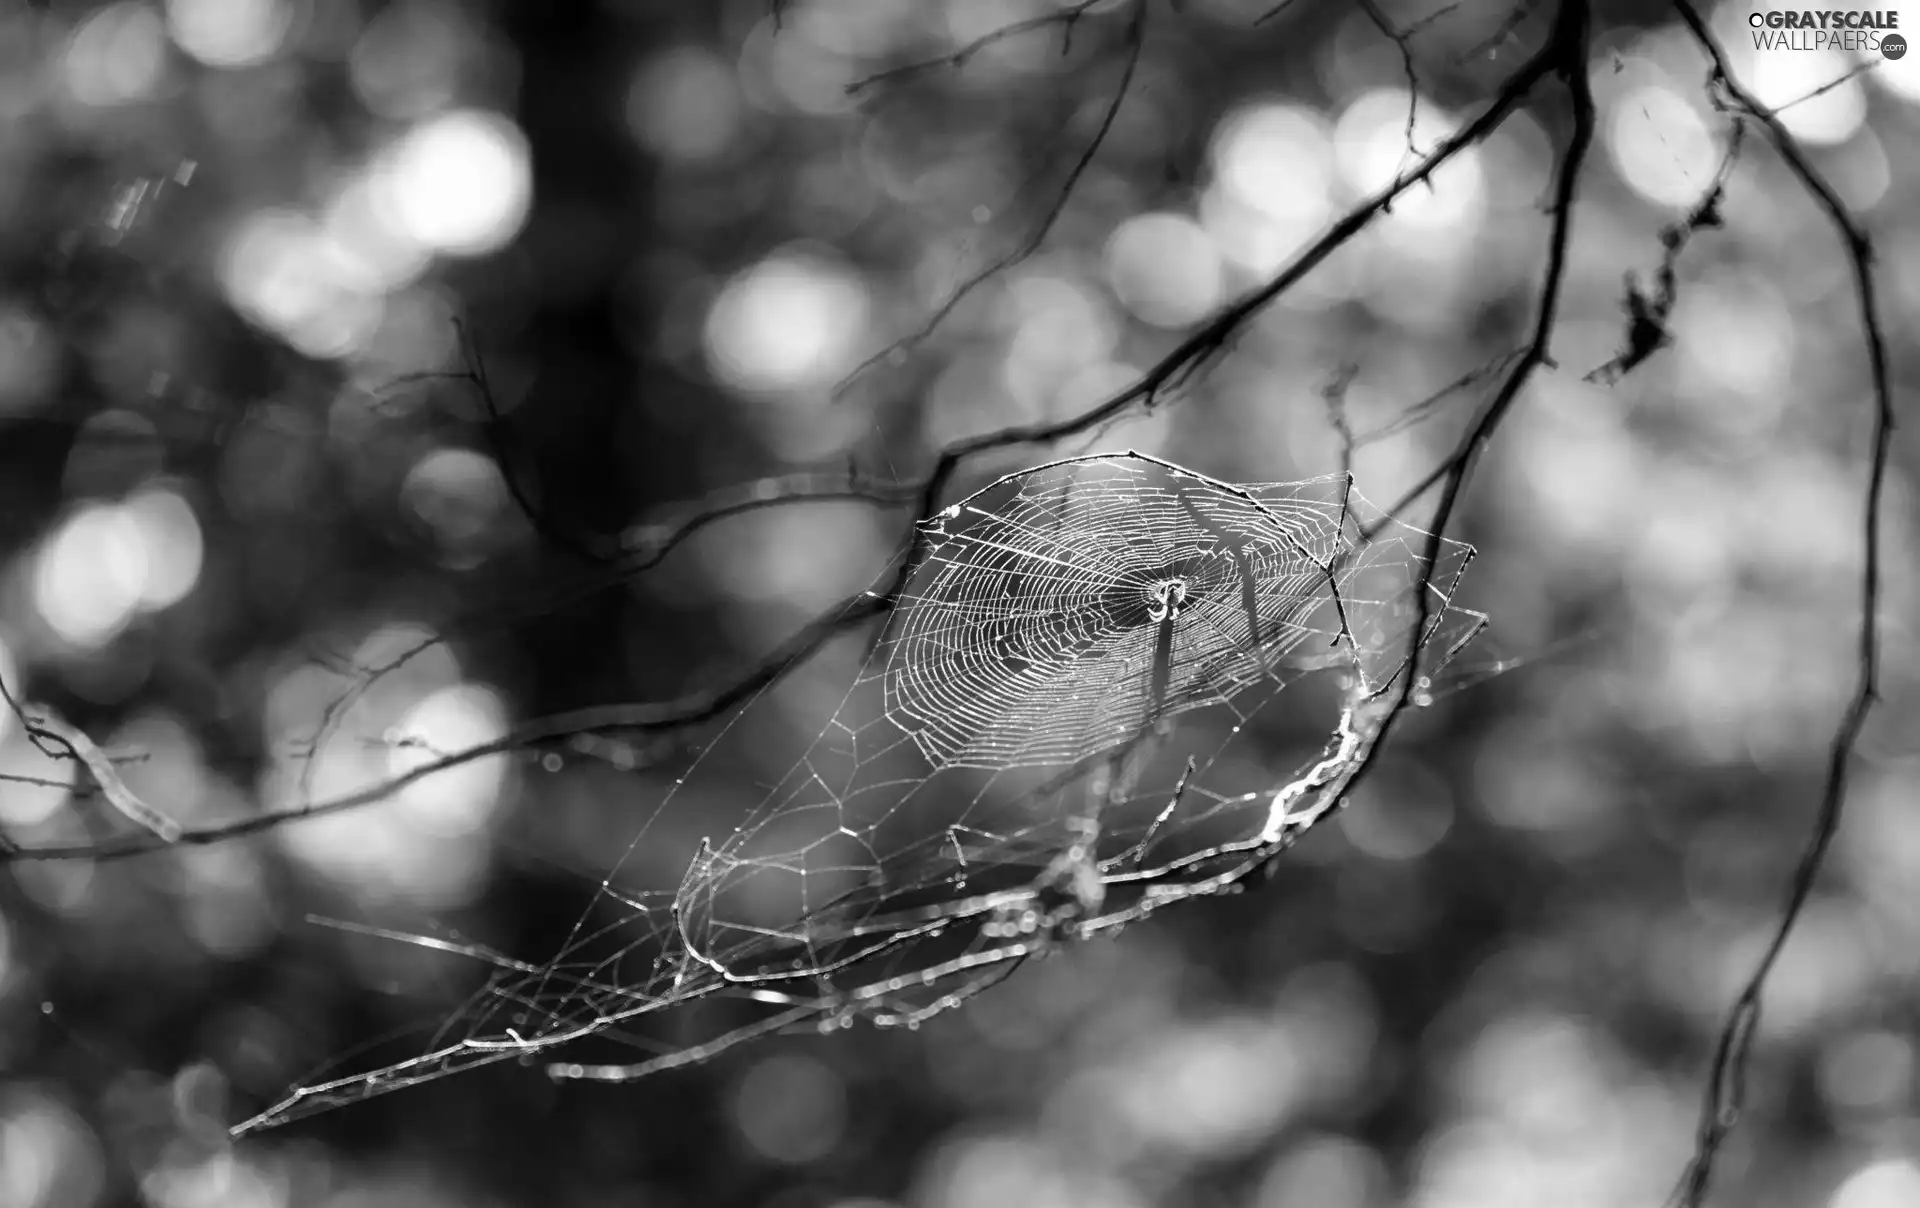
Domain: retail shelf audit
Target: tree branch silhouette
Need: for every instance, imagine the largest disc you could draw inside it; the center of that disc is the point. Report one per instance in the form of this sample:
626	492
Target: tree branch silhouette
1726	1092
1065	19
1159	383
1134	40
1402	40
1562	60
59	739
1564	57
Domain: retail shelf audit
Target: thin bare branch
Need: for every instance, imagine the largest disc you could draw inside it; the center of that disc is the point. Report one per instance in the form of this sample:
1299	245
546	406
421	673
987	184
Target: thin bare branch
1334	395
1276	11
1565	56
670	716
1135	40
1403	42
47	782
1725	1095
1859	69
57	738
1432	18
124	799
1065	19
1509	25
1178	366
588	549
38	737
642	547
648	543
1417	412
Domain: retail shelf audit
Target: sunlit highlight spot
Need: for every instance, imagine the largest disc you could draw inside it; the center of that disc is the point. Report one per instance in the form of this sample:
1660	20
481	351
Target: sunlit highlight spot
1275	159
171	536
1164	269
791	1109
799	557
1863	176
370	249
1553	1116
1272	187
229	33
1059	328
281	271
684	104
459	183
1788	82
407	62
118	56
1192	1090
91	576
1661	146
107	562
459	496
406	704
1325	1170
1888	1183
990	1171
185	1178
1735	333
791	322
49	1158
1370	149
791	66
33	784
461	798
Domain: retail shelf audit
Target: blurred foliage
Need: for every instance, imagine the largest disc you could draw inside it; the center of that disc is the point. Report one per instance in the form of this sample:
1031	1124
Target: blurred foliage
249	459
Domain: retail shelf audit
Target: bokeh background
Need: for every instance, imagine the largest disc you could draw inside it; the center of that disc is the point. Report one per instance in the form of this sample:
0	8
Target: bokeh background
238	470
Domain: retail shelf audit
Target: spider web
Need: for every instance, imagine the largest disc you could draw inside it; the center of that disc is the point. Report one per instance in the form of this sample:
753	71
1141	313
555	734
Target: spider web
1062	725
1041	631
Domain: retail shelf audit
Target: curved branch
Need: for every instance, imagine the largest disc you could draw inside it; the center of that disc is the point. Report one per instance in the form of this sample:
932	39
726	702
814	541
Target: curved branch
1179	366
58	738
1066	19
1565	56
655	718
1725	1096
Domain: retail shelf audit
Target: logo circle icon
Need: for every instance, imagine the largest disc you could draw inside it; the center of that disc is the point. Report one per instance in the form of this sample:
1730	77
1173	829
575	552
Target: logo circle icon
1893	46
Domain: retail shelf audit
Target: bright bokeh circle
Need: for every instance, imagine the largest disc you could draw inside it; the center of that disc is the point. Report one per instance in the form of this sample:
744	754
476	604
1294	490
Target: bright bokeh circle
460	183
792	321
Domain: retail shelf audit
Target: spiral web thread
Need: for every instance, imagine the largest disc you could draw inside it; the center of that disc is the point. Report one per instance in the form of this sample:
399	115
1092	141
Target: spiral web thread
1040	747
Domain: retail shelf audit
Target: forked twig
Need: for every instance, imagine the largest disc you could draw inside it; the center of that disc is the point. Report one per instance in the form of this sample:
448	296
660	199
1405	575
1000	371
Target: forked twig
1402	40
112	787
54	735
